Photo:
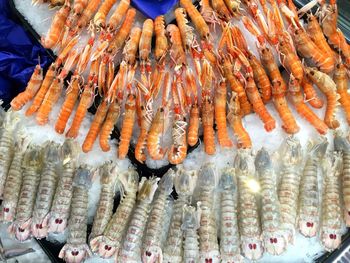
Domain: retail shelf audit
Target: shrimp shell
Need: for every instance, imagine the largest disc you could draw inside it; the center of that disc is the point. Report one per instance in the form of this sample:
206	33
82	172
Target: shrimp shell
229	234
105	205
173	248
61	202
131	250
332	220
31	165
151	246
248	216
275	240
190	225
46	190
7	148
13	182
341	80
76	249
208	242
109	243
309	211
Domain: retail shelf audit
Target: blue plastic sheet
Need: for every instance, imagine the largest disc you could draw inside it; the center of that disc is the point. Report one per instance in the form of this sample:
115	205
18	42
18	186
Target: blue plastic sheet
154	8
19	53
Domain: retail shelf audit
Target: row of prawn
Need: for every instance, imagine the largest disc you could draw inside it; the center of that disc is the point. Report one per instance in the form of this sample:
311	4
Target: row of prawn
263	76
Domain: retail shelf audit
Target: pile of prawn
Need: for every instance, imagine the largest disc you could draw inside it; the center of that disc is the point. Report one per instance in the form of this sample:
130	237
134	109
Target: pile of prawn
186	80
264	200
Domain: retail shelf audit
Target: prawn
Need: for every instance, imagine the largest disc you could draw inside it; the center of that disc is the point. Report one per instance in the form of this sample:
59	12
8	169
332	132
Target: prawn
311	95
108	125
51	97
86	100
127	127
145	45
32	88
234	117
72	94
118	15
303	110
100	16
341	80
178	149
45	85
56	30
329	88
220	114
132	45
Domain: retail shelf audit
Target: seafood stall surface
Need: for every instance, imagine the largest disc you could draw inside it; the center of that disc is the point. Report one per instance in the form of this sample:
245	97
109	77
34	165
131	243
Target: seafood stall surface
212	81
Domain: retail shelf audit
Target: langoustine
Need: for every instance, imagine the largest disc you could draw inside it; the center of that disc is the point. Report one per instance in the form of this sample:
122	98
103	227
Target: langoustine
152	246
173	248
46	190
332	220
208	242
329	88
109	243
248	216
229	235
274	237
108	172
288	192
341	80
61	202
131	249
309	211
7	147
31	165
13	182
76	250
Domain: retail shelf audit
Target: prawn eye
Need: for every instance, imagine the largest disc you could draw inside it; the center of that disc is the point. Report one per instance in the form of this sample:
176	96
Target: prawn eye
6	209
312	73
234	10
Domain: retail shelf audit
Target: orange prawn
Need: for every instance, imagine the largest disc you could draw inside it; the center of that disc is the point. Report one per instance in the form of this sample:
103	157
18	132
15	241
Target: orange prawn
145	46
49	101
188	37
177	53
86	100
57	26
341	80
87	14
178	150
260	77
118	15
72	94
127	127
161	39
145	118
197	19
96	125
118	41
100	16
108	125
314	30
310	94
220	99
329	88
329	18
132	45
306	47
221	9
303	110
208	109
234	117
159	125
39	97
30	91
253	93
279	87
235	85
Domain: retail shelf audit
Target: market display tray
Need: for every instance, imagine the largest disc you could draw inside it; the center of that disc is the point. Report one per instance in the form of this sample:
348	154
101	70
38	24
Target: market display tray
52	249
